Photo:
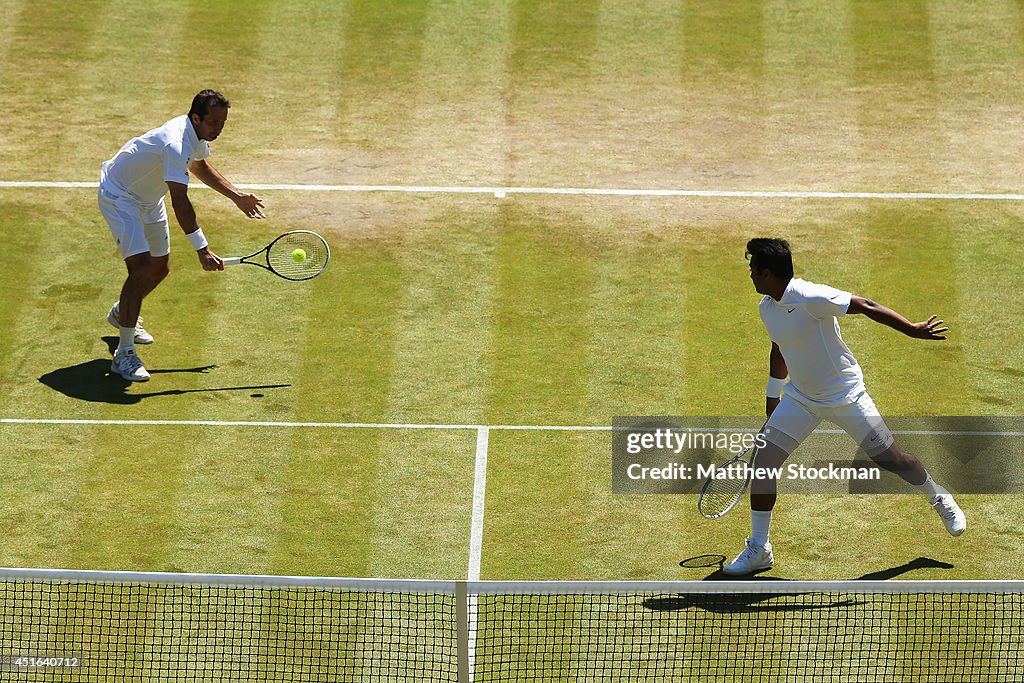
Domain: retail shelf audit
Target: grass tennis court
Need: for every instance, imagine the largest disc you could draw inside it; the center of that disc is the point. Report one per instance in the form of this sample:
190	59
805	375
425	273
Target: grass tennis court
531	310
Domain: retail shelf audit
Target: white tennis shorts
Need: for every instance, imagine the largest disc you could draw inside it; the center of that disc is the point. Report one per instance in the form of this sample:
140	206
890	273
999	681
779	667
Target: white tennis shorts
793	421
137	228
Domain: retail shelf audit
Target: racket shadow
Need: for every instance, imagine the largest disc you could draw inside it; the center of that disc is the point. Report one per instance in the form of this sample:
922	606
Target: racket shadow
93	382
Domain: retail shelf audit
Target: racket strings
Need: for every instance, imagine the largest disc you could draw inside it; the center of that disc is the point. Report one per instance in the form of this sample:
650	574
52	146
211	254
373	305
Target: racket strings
720	495
281	257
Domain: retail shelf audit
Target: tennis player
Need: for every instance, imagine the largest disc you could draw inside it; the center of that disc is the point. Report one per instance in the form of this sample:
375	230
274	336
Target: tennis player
825	382
131	198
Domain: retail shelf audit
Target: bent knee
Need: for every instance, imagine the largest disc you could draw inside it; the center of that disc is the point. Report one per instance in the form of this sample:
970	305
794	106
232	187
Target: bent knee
161	269
148	271
895	460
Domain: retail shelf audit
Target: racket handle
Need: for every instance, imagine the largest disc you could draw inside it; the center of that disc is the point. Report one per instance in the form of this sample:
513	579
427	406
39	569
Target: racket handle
234	261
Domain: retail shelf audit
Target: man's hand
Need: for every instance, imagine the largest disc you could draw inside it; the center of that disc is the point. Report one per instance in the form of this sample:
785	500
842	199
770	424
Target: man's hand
250	205
209	260
929	329
770	404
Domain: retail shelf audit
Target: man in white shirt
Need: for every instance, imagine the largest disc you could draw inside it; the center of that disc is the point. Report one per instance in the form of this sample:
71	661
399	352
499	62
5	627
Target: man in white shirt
825	382
131	198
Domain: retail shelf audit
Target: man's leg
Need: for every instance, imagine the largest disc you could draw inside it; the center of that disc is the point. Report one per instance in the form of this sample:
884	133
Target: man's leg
757	554
145	273
125	220
905	465
142	236
867	427
913	472
144	276
788	426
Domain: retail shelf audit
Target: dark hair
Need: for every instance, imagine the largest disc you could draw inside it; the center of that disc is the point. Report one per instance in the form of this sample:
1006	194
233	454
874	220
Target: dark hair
205	100
771	254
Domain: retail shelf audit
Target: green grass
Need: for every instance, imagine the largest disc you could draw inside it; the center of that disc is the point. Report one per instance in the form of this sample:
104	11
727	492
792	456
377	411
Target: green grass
538	314
469	310
554	327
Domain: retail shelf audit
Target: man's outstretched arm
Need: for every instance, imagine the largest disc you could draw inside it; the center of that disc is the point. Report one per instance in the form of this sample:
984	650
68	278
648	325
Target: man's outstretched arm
928	329
249	204
186	215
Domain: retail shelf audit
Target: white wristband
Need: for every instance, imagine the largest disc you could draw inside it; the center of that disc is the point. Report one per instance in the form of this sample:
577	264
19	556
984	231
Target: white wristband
774	388
197	239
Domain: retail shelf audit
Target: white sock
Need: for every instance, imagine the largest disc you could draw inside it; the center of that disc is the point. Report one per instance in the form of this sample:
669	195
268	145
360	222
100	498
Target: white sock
760	521
930	488
127	339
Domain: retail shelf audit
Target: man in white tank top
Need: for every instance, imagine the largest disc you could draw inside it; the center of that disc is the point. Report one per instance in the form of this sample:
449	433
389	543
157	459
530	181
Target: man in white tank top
825	382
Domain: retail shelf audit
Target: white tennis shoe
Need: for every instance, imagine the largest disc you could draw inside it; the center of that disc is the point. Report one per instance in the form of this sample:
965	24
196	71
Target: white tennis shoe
951	514
754	557
128	364
141	336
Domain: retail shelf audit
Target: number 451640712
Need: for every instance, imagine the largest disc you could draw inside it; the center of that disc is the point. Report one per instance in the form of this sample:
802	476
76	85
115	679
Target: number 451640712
44	662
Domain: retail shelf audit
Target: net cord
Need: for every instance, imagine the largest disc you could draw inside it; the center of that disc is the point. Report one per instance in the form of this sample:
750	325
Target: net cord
513	587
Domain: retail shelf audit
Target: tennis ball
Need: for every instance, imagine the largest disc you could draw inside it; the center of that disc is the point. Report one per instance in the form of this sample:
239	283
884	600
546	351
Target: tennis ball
299	255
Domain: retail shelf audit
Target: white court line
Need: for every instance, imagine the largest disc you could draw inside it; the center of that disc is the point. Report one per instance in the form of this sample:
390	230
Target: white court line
594	191
476	535
389	425
476	540
322	425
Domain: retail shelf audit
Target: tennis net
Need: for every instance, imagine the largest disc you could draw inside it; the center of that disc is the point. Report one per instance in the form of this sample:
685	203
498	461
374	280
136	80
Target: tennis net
58	625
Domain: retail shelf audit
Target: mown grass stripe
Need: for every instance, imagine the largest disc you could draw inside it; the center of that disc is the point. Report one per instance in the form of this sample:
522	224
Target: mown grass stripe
440	373
723	70
989	278
295	73
46	62
358	325
893	65
10	16
724	55
378	68
541	325
811	127
444	318
47	295
551	45
458	128
977	68
553	41
638	344
919	377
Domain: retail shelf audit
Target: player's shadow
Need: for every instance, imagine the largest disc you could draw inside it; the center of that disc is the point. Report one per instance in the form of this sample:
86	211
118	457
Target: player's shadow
94	382
733	603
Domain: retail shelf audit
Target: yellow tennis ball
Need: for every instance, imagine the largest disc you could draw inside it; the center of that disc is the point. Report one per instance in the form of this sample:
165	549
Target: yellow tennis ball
299	255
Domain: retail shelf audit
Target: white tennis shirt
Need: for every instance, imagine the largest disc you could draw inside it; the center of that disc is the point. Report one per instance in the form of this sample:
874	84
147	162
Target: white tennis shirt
145	164
822	370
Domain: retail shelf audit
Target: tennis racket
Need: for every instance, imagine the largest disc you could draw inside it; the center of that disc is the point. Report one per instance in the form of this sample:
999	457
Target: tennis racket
719	496
296	255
